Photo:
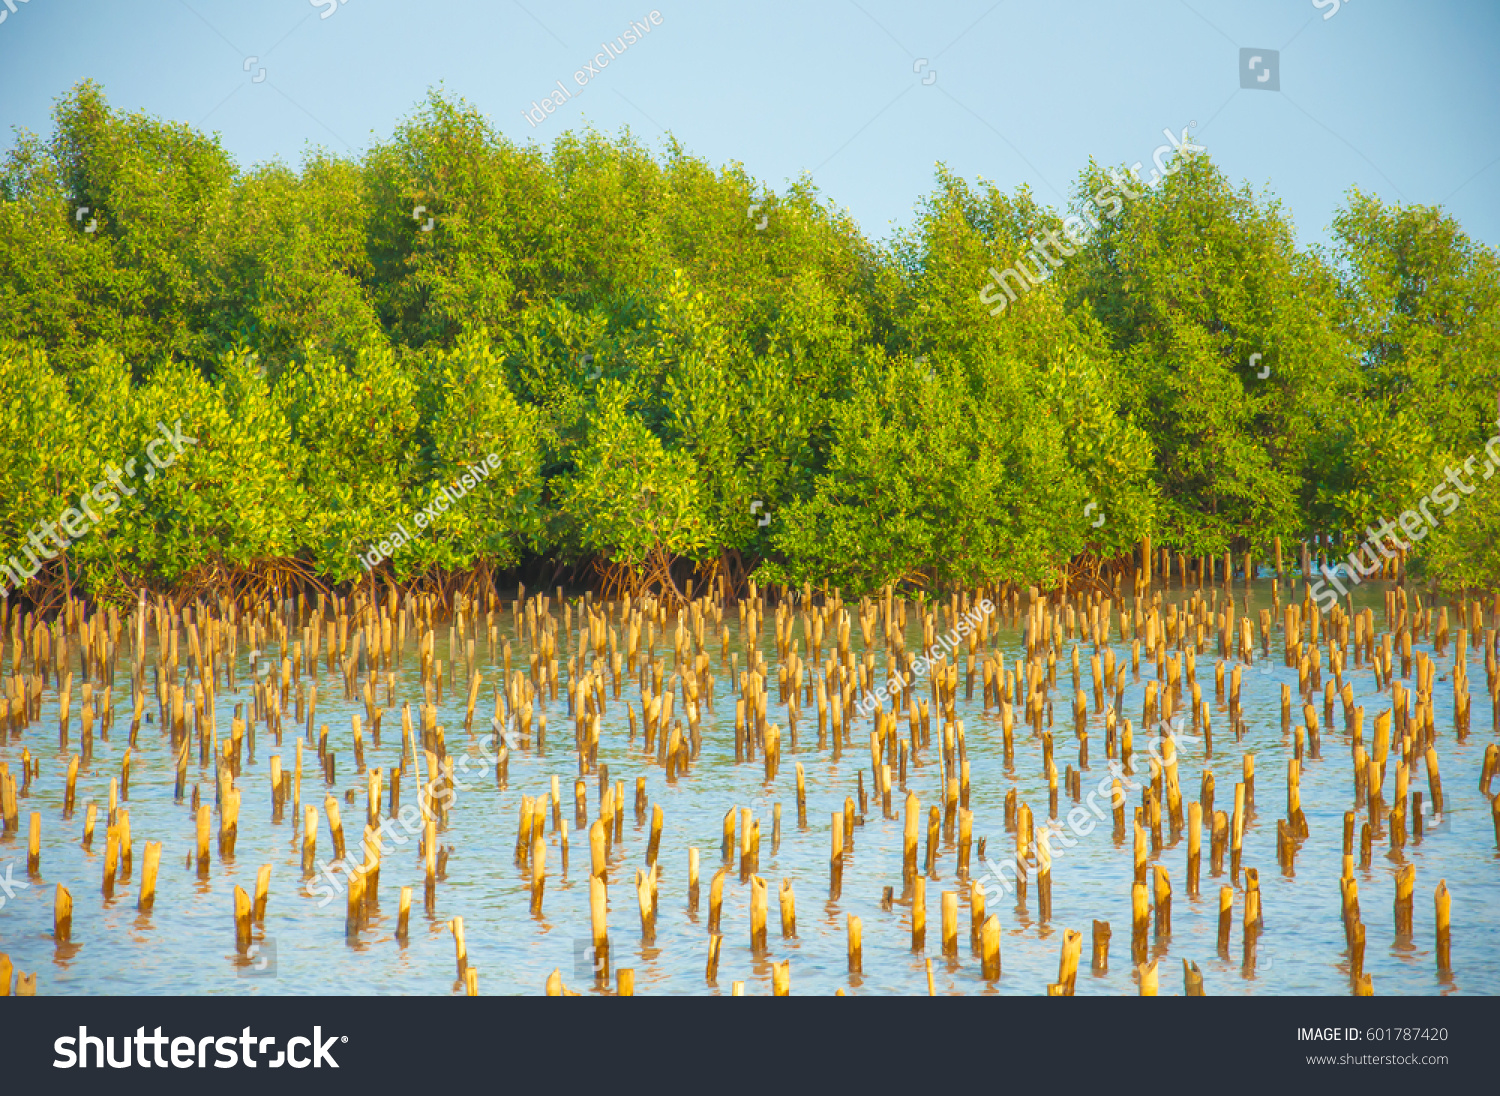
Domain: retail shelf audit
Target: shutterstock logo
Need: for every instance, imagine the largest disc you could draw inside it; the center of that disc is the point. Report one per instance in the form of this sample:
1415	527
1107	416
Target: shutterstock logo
9	884
189	1053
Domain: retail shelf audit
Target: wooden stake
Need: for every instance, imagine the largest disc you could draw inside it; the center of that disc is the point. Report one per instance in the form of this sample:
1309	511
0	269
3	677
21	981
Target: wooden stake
1147	974
856	944
1443	902
1192	979
989	948
62	916
599	921
148	876
242	911
1406	881
460	948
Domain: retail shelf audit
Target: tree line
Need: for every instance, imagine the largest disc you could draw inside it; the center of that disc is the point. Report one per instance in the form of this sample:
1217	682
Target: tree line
679	389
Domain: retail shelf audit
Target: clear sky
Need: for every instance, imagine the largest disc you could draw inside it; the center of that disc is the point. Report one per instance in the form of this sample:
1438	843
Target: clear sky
1396	98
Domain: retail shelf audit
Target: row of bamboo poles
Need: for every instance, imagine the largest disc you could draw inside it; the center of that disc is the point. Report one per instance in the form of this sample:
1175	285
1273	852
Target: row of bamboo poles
193	651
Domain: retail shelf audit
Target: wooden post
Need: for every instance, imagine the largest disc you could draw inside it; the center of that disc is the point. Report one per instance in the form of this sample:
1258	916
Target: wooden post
309	839
598	918
62	916
788	910
1192	979
241	920
1139	922
989	948
1195	847
950	922
403	916
1226	916
34	844
1443	902
1147	973
1067	969
757	915
711	975
781	978
654	847
1101	947
1406	881
856	944
148	876
538	872
1163	894
919	913
460	948
262	891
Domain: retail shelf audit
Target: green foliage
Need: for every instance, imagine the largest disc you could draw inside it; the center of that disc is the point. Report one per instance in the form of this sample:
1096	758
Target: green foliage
646	358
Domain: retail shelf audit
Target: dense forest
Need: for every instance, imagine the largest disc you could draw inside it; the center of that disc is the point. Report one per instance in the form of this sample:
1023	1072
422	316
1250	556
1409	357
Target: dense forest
678	376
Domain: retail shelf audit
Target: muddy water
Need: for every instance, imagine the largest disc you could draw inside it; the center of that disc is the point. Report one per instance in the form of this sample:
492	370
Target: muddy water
186	944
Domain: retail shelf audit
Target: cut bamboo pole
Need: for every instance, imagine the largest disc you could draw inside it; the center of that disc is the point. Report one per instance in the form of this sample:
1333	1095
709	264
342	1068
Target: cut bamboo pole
1443	903
950	922
989	948
599	923
1101	947
1226	916
711	975
62	916
1192	979
403	917
242	917
788	910
148	876
856	944
34	844
309	839
1406	881
1067	969
919	913
460	947
1140	922
1147	973
716	899
757	915
781	978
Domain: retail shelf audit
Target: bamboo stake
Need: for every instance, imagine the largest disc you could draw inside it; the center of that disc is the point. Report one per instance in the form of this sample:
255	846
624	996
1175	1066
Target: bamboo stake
1406	880
1192	979
1067	970
1101	947
757	915
148	876
856	944
460	948
598	918
781	978
62	916
950	922
1443	903
242	911
788	910
711	975
1147	974
919	913
989	948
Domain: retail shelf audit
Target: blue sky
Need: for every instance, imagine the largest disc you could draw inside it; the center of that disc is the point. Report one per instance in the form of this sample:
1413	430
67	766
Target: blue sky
1398	99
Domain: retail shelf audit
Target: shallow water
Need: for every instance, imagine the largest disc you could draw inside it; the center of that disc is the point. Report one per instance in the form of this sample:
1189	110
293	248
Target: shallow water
186	945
